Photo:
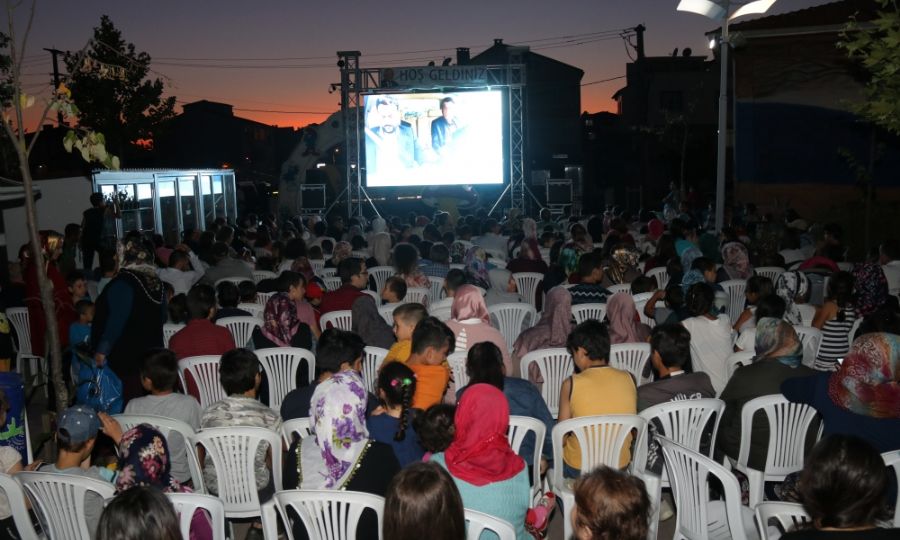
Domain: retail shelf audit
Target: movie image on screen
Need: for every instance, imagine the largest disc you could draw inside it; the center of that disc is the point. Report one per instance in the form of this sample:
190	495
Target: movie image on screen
422	139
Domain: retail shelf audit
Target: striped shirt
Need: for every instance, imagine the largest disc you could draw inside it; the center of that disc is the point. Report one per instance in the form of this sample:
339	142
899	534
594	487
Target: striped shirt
835	344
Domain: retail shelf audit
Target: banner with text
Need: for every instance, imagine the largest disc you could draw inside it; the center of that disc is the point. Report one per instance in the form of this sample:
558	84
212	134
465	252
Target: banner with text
430	76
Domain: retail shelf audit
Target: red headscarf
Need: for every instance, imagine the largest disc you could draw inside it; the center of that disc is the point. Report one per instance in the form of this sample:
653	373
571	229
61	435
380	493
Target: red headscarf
480	453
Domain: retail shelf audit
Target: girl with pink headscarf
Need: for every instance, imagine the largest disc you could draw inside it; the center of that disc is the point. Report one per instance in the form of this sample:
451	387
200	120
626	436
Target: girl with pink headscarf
471	323
625	325
552	329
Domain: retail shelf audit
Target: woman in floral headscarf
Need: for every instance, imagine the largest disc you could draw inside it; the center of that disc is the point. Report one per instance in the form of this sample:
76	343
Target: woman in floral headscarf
862	398
870	288
736	262
793	287
477	268
458	252
621	267
339	454
144	461
341	251
281	325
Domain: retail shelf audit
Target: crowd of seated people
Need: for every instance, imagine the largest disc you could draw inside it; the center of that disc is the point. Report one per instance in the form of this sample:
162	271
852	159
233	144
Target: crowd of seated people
435	446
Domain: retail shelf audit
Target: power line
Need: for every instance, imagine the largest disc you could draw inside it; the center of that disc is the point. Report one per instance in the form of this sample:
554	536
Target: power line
265	110
603	80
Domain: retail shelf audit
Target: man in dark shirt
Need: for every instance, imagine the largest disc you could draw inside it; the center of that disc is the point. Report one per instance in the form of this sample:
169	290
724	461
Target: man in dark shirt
92	230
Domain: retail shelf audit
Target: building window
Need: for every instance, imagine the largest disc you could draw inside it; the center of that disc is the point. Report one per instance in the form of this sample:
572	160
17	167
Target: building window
671	101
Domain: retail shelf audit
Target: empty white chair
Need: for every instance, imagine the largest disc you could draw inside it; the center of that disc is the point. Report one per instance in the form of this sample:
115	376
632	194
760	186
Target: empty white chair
738	359
554	366
204	370
254	309
281	364
601	440
511	318
788	426
60	500
771	272
16	498
437	288
478	522
418	295
786	516
586	312
169	330
640	300
187	503
661	275
630	357
457	363
810	338
300	427
259	275
373	357
317	265
18	317
381	274
342	319
519	427
621	287
892	460
735	289
327	514
527	284
241	328
697	516
233	454
332	283
177	434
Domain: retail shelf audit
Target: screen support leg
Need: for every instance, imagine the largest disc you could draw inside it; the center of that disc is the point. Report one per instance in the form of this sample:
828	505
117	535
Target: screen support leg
366	195
334	202
500	198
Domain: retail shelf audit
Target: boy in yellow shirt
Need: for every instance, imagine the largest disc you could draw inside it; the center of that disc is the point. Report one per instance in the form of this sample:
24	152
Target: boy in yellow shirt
406	317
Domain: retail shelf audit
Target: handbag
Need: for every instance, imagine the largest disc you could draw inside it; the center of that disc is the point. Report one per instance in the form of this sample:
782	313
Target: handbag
97	387
537	518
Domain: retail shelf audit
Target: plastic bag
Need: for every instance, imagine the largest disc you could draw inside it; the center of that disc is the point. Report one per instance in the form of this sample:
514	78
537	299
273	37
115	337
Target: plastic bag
97	387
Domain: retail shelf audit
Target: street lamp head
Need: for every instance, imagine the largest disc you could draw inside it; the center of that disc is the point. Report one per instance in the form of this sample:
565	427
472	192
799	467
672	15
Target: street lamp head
712	43
757	7
706	8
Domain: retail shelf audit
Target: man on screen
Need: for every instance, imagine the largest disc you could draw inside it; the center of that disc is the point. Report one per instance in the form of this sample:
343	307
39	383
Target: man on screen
443	128
394	140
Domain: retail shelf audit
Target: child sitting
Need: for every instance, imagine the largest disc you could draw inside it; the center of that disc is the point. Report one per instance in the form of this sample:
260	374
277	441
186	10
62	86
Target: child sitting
758	287
431	341
406	317
247	292
390	423
435	428
394	290
159	375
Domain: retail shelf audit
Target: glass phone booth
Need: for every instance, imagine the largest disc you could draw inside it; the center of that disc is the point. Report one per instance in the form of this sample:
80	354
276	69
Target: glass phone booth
167	202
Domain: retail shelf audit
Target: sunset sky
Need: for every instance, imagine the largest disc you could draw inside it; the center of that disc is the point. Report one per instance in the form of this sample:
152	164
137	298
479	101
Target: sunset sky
279	56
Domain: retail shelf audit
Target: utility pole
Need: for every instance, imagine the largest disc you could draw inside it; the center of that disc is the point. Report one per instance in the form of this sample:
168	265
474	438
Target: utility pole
56	81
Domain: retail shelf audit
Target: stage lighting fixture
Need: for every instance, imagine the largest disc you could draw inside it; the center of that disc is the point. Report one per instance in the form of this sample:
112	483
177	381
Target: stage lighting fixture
340	63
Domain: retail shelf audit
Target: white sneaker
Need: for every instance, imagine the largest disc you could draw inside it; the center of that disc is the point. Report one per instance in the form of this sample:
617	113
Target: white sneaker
665	510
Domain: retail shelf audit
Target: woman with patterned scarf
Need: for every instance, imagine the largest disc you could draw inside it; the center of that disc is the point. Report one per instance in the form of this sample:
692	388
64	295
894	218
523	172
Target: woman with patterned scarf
621	267
129	316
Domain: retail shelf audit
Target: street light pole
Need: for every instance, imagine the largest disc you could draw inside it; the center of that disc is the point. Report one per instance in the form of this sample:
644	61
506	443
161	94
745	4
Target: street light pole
723	125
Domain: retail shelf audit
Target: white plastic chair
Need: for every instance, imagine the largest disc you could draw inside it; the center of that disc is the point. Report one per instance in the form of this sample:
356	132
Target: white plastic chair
373	294
18	317
845	266
601	440
661	275
387	312
381	274
233	454
418	295
241	328
527	284
630	357
327	514
519	428
586	312
373	357
810	338
457	363
495	254
735	289
59	501
259	275
554	366
237	280
187	503
360	254
254	309
317	265
738	359
640	300
620	287
771	272
437	288
262	298
788	426
281	364
457	266
698	517
168	427
169	330
92	287
787	516
16	497
892	460
326	272
442	313
300	427
510	318
332	283
342	319
853	328
205	372
478	522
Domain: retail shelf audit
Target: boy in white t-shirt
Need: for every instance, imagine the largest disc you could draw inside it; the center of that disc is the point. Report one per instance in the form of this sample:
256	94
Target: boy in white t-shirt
159	375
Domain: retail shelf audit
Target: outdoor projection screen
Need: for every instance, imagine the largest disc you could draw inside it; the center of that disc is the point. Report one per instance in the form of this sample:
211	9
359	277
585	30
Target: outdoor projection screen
433	139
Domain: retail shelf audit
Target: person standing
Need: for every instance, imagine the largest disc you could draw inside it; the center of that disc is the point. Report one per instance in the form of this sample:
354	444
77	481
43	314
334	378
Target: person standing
97	224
